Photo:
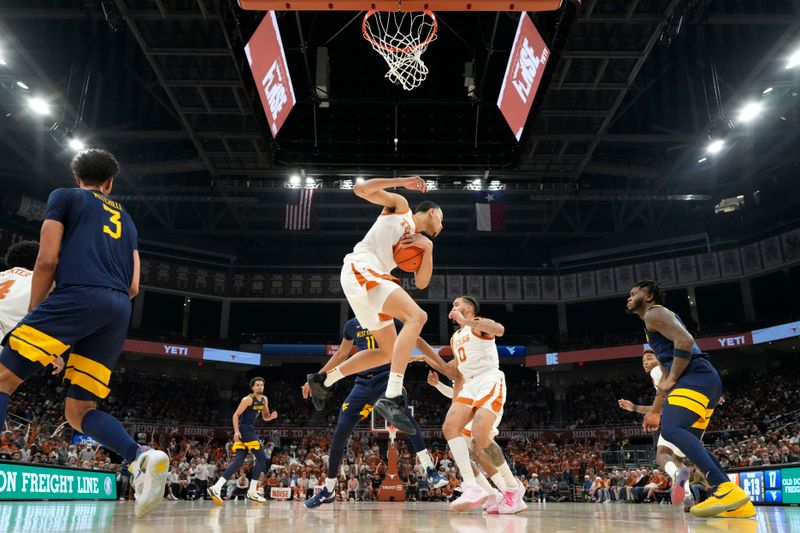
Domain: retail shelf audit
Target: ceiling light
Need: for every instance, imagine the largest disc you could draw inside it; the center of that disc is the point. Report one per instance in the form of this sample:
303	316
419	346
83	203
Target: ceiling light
310	181
750	111
76	144
702	160
359	179
22	85
794	59
432	185
715	147
3	61
768	90
39	105
294	180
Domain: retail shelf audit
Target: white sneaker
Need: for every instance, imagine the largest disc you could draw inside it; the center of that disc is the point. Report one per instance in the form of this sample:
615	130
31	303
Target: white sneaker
472	496
149	477
213	491
253	496
492	503
512	501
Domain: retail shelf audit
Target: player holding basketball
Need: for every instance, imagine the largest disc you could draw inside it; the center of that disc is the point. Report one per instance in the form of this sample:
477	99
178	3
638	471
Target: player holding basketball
88	246
15	284
368	387
481	401
686	397
668	456
375	296
245	439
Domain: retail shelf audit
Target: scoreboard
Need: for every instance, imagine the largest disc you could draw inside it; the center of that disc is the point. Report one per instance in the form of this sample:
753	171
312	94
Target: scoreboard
771	485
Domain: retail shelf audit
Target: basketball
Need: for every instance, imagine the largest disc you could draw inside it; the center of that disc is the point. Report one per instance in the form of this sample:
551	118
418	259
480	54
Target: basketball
408	259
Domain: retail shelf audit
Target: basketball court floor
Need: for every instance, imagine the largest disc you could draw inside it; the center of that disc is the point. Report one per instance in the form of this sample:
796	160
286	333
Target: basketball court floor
241	517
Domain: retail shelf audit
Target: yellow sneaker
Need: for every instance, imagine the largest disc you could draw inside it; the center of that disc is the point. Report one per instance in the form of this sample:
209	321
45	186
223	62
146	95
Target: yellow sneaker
747	510
727	497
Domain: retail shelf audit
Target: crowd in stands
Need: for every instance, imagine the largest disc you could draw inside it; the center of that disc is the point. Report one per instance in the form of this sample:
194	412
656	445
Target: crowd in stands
757	425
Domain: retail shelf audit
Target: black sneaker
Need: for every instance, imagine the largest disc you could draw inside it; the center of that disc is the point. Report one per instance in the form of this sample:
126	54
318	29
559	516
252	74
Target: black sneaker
395	411
319	392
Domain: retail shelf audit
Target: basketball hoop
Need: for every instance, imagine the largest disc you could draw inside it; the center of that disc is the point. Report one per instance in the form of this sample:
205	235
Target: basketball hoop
401	38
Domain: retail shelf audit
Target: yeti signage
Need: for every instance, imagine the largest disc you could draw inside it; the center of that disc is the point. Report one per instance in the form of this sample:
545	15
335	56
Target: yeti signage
28	482
163	348
523	75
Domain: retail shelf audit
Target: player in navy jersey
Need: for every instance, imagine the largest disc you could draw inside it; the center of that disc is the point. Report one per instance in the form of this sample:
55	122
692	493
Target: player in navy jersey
368	388
245	439
88	248
686	399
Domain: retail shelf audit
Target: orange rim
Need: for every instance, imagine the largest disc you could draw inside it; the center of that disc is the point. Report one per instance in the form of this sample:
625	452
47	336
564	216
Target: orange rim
392	49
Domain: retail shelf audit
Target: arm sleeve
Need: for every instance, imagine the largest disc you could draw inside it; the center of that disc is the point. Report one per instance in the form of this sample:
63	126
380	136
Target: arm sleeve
59	204
444	389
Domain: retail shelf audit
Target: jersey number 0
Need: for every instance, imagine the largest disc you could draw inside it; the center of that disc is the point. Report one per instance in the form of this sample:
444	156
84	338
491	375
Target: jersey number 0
115	233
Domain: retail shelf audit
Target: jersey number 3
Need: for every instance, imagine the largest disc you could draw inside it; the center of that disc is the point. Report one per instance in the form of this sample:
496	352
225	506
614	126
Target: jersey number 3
115	233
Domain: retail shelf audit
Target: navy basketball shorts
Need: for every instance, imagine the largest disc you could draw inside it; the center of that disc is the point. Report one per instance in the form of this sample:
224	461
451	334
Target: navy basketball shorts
249	442
85	325
698	390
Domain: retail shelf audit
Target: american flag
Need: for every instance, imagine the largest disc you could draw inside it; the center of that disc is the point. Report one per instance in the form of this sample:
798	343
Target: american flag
298	209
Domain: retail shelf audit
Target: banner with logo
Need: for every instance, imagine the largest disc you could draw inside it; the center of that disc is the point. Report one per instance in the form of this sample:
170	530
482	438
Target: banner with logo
665	272
512	287
708	265
231	356
771	252
270	71
531	287
526	65
475	286
729	263
167	349
586	284
605	281
687	269
569	286
20	481
645	271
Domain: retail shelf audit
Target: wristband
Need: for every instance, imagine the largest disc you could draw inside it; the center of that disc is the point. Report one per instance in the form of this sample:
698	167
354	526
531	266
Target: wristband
685	354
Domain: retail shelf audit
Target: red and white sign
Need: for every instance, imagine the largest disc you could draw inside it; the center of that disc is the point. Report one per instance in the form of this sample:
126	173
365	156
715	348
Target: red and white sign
708	344
163	348
270	71
280	493
524	72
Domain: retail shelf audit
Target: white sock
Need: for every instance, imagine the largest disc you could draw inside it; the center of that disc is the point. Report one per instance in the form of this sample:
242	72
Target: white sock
220	483
499	482
484	483
671	469
425	459
333	376
330	484
253	485
508	477
395	386
458	447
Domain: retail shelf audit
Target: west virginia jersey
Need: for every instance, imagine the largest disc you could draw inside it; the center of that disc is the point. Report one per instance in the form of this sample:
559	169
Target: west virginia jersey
364	340
87	314
664	348
247	425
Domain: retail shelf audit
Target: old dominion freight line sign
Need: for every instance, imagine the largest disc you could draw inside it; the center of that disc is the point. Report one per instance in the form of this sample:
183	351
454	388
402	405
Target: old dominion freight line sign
29	482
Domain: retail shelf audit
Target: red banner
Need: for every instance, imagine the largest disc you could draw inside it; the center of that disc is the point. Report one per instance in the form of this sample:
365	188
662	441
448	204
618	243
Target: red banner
167	349
270	71
523	75
726	342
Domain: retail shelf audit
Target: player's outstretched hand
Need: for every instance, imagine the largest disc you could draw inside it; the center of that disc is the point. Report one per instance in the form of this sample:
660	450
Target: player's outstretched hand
458	317
272	416
433	378
651	422
58	365
306	390
626	404
414	183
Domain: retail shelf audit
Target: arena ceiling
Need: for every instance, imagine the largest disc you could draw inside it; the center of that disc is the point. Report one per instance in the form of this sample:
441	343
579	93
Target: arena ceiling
611	153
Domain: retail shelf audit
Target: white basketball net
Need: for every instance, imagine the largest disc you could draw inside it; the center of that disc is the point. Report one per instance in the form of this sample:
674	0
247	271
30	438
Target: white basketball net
401	38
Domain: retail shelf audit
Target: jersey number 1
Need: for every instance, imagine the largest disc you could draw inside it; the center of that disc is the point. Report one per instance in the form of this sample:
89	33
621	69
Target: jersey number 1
115	233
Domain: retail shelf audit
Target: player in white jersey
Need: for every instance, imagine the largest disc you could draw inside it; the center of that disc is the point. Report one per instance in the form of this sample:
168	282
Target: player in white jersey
15	284
480	400
668	456
375	296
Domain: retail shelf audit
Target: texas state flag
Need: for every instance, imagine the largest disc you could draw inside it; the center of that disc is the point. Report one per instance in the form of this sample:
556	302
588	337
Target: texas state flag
490	211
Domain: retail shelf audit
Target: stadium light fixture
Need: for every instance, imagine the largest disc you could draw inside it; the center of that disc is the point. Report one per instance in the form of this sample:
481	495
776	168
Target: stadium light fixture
310	182
768	90
432	185
794	59
360	179
715	147
294	180
702	160
77	144
346	184
750	111
39	105
23	85
2	60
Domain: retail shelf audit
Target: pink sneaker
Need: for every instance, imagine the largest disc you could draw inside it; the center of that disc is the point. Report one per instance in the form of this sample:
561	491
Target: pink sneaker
512	500
472	496
493	502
